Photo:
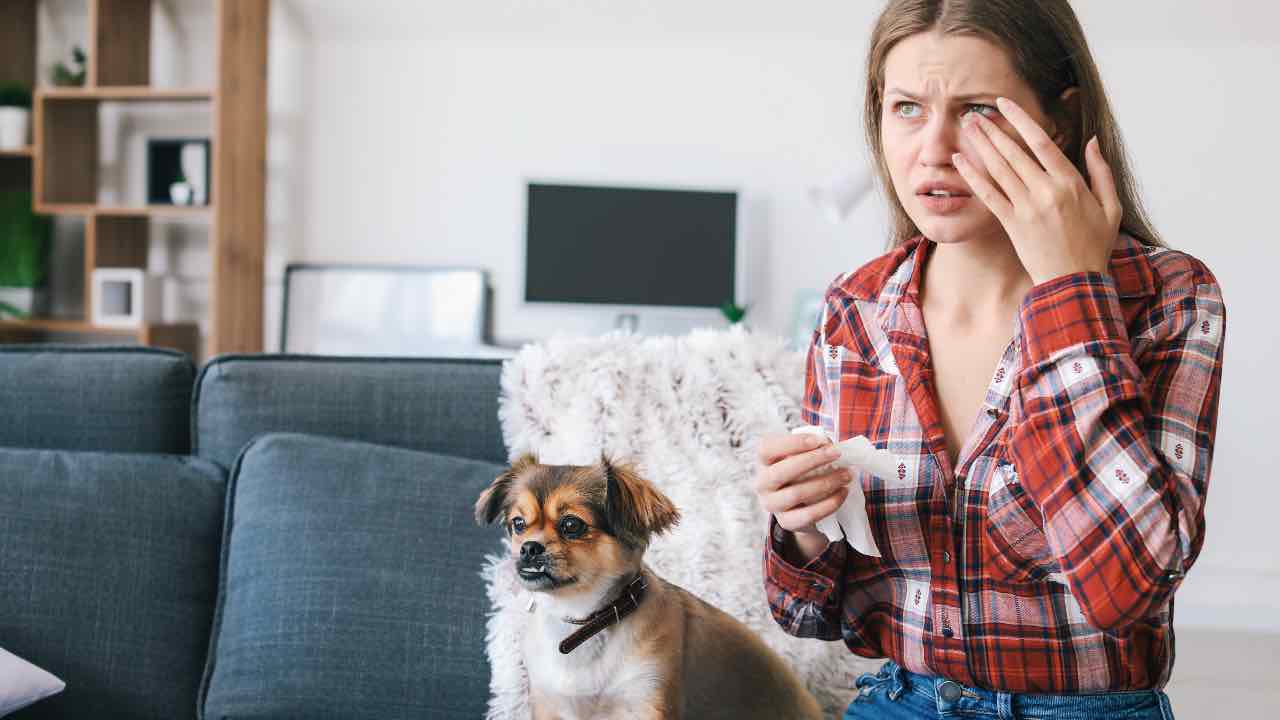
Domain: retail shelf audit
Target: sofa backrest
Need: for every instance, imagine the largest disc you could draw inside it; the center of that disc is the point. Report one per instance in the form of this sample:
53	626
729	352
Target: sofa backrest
441	405
106	398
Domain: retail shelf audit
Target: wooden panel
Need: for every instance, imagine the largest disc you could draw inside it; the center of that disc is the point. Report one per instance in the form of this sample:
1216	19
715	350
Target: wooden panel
18	41
183	337
119	242
129	92
66	151
239	177
120	42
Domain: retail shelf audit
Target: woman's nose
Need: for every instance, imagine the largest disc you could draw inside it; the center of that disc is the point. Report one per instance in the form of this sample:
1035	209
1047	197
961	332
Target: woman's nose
939	140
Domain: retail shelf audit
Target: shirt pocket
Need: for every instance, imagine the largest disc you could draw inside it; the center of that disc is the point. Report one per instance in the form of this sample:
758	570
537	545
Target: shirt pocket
1017	550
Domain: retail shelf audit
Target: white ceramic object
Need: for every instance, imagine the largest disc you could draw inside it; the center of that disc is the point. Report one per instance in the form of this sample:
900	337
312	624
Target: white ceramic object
195	162
180	193
15	128
125	297
32	301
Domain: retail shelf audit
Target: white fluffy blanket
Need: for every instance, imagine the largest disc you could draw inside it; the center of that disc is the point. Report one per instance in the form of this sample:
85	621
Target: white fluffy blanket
688	413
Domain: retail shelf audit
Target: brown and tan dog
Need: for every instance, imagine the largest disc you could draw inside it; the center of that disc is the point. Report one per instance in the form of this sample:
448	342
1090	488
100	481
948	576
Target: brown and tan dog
607	638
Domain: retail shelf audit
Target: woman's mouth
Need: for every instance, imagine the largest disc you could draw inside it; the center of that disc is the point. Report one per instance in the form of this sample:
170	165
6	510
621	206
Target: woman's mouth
942	202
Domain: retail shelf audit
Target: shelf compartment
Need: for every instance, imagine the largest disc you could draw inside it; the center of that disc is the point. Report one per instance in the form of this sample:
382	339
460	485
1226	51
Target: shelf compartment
119	42
18	42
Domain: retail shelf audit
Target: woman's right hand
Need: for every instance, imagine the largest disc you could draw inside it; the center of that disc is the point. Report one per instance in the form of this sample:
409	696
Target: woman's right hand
788	486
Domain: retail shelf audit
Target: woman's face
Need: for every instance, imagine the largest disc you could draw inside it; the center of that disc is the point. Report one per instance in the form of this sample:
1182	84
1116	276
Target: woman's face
930	82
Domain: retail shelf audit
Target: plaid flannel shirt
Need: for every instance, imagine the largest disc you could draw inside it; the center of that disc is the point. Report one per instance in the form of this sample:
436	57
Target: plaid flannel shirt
1046	560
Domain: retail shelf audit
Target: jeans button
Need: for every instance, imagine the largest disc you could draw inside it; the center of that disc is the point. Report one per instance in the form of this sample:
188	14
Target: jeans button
946	558
949	691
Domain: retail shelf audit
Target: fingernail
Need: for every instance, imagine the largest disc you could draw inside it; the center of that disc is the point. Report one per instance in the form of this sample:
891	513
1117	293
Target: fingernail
1001	101
813	441
957	159
832	452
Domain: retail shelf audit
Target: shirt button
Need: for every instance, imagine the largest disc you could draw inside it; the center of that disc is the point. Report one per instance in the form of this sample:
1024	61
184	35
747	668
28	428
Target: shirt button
992	412
946	557
947	632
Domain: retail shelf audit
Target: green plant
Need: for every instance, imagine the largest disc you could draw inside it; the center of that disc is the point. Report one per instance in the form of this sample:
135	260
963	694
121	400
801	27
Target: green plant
15	95
24	241
65	76
733	312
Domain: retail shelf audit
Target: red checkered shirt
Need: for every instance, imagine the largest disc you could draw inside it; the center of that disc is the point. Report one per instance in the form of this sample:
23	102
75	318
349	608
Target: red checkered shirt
1046	560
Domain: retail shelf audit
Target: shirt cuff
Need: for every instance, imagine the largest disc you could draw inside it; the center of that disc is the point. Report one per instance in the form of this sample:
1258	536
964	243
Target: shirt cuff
1069	310
816	581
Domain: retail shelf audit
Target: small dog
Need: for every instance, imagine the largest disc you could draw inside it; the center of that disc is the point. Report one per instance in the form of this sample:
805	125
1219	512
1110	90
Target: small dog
607	637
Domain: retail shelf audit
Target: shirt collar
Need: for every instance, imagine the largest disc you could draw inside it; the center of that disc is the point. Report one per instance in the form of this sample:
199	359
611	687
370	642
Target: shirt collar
1130	268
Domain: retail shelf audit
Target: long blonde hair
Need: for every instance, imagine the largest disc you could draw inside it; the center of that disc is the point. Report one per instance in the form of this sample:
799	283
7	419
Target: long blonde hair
1047	48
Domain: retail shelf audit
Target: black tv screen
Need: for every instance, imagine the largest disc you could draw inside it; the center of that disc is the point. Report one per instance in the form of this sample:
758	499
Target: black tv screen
629	246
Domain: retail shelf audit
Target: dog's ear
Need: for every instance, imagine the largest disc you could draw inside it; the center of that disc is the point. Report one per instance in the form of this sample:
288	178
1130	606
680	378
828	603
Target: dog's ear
493	501
636	509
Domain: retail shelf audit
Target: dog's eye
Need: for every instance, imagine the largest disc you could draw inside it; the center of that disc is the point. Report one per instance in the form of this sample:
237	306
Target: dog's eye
571	526
517	525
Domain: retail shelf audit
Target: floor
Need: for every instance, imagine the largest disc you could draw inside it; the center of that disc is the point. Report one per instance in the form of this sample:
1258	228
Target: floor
1225	675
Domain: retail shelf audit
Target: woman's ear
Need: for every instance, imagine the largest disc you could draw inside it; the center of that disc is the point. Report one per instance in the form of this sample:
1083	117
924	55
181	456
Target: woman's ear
1066	119
636	509
493	501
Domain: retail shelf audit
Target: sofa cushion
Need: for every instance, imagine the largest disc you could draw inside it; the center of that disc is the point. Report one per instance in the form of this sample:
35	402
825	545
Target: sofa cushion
350	584
108	571
403	402
124	399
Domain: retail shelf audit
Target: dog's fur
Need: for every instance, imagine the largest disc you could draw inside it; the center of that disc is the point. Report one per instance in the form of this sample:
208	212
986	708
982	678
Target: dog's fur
674	657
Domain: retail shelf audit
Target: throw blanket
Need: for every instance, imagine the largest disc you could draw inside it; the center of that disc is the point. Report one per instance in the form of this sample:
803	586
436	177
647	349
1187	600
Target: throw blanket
688	413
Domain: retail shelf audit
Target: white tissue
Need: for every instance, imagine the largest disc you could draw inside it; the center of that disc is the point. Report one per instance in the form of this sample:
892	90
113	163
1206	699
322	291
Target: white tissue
849	521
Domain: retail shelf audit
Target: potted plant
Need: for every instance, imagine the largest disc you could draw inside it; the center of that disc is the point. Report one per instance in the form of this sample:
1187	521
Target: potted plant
24	250
733	312
15	116
64	76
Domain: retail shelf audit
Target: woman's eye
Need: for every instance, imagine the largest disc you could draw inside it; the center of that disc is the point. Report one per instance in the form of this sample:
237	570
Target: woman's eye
988	110
517	525
572	526
907	106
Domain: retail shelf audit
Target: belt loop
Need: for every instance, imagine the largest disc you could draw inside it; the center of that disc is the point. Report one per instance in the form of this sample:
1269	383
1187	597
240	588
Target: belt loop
1004	706
899	682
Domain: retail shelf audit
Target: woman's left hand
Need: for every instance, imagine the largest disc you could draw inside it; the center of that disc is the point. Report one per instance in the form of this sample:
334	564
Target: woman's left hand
1057	223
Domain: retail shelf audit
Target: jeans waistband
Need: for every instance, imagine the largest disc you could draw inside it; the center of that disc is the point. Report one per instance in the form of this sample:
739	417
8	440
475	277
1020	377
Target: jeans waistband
952	697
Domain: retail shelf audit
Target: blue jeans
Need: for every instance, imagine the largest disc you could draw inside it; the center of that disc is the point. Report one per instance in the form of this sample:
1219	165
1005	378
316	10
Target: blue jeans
897	694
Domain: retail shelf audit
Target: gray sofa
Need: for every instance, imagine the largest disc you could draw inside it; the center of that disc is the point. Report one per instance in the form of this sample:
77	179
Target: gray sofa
269	537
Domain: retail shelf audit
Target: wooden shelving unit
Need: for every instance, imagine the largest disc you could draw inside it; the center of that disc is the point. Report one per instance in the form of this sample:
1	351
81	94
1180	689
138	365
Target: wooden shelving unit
61	166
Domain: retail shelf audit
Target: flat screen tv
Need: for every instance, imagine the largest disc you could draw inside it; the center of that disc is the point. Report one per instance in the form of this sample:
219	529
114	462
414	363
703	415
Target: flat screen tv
632	249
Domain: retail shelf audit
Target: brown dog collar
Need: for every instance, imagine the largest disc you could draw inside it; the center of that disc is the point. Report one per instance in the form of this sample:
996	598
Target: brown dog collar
626	603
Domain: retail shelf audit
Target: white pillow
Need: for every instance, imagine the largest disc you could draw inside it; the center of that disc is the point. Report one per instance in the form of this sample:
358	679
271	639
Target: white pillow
22	683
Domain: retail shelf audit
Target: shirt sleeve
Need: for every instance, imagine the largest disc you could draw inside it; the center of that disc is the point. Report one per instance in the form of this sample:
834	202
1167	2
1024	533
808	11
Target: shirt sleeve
1116	451
805	601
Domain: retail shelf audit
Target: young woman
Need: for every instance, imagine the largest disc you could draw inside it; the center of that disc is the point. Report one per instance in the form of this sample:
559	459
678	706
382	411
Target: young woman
1045	371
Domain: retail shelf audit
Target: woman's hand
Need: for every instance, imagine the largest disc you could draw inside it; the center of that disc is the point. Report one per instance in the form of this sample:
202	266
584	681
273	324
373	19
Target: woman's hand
1057	223
788	487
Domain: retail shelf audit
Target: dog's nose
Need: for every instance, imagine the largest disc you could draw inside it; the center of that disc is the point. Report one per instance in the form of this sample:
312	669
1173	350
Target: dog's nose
531	550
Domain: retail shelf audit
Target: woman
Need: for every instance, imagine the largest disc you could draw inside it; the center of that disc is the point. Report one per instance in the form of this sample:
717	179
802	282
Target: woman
1045	371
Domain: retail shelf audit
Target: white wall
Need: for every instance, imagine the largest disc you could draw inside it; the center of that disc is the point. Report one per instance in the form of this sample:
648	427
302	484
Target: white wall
401	129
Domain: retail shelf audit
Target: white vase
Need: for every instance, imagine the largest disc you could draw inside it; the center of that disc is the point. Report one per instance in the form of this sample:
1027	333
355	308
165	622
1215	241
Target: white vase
32	301
180	193
15	128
